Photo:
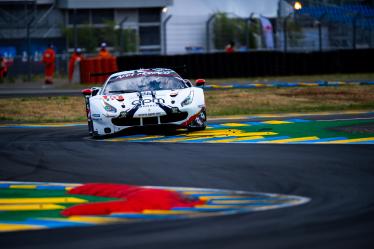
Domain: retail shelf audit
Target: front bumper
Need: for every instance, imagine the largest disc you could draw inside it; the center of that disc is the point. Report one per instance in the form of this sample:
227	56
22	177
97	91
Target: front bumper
143	121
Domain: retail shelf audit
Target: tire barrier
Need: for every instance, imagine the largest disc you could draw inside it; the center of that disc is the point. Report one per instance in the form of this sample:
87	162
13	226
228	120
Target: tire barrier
97	65
256	63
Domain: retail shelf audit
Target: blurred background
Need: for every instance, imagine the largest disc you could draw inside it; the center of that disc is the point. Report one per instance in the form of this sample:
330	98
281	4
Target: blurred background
214	38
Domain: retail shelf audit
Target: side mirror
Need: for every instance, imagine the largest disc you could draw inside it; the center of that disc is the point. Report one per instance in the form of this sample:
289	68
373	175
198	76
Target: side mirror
188	83
86	92
200	82
95	90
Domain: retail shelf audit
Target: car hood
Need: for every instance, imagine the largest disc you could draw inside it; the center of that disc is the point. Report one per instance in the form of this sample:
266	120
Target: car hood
147	102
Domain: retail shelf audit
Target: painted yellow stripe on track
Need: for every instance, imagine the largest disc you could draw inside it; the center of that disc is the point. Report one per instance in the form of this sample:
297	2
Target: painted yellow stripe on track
133	138
236	139
165	212
232	133
308	84
290	140
276	122
191	138
354	140
223	135
30	207
93	219
21	186
260	85
235	125
41	200
221	86
213	132
17	227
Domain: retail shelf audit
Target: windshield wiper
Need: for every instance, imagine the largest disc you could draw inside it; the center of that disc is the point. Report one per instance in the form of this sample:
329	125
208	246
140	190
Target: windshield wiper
124	91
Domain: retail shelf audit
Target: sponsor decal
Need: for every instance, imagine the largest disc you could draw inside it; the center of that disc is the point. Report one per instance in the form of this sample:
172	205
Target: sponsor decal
144	102
150	114
145	72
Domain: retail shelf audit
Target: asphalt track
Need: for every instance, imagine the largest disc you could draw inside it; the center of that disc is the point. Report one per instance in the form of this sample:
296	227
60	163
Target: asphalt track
339	179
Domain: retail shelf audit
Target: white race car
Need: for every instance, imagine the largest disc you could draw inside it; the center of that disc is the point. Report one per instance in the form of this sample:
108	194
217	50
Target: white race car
145	97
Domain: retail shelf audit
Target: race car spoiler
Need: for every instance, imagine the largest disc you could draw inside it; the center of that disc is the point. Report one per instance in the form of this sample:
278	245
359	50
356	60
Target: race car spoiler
184	68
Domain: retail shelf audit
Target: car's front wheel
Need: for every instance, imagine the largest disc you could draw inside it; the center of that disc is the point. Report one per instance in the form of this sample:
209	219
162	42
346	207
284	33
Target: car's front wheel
199	123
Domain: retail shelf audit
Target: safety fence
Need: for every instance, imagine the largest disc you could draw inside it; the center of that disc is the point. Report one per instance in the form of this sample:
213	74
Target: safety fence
253	64
220	65
21	66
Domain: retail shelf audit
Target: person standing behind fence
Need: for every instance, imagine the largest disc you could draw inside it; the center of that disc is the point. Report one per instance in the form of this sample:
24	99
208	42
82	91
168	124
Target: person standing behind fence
74	61
230	48
3	67
49	58
104	53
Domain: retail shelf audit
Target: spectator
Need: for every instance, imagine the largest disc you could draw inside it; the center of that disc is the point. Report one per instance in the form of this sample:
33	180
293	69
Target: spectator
74	64
104	53
3	67
230	47
49	58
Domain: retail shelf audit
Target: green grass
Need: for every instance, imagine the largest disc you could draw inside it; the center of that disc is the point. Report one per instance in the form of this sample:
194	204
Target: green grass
219	103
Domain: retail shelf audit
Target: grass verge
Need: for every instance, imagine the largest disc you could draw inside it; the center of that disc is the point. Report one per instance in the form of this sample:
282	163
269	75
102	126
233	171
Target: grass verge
219	102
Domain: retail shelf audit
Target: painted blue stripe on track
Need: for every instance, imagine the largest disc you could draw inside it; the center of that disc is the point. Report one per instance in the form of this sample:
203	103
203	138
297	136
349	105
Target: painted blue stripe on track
215	125
47	223
262	139
253	123
367	83
50	187
2	185
365	142
321	140
298	120
284	84
243	86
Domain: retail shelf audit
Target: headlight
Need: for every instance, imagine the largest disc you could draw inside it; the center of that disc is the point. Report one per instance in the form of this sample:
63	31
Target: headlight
109	108
187	100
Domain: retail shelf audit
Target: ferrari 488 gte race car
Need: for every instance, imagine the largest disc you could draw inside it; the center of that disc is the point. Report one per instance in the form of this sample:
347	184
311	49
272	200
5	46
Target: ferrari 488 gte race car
145	97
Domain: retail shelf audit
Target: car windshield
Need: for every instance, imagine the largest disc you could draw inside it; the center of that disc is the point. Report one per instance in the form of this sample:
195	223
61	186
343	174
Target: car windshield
144	83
